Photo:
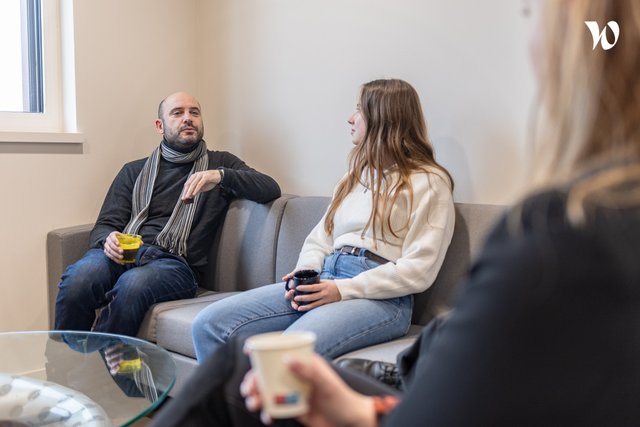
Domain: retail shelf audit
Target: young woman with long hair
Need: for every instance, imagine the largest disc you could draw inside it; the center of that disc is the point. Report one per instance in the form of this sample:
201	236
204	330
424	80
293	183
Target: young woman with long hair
382	239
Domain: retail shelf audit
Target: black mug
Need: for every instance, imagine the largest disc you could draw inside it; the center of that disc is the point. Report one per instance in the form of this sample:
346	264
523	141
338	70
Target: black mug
302	277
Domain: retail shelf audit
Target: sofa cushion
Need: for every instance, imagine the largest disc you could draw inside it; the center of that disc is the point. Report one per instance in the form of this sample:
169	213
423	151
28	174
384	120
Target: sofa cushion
244	257
300	215
387	351
473	222
169	323
64	247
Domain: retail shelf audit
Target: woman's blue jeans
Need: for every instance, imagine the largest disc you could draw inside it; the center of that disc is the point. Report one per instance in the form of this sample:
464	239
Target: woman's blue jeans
124	292
340	327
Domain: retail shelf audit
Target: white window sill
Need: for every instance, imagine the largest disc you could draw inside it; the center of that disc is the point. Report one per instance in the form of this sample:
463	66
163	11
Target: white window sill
41	143
42	137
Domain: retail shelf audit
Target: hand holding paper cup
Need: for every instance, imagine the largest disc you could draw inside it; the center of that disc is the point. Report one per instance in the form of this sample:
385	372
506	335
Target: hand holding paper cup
283	395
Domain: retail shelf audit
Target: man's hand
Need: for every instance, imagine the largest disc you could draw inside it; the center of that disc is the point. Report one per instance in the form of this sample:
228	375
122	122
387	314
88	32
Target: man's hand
113	357
122	359
324	292
112	248
200	182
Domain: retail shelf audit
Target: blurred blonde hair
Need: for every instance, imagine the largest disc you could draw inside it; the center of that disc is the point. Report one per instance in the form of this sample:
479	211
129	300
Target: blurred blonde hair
396	140
589	111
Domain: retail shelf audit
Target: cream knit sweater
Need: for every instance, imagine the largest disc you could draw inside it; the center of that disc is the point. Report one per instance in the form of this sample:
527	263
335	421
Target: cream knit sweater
424	232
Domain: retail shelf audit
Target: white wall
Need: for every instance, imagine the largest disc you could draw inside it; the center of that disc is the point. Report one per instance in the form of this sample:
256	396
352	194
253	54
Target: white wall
277	80
286	75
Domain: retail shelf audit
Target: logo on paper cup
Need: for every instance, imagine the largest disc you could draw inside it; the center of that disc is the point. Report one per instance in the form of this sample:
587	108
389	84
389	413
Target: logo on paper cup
286	399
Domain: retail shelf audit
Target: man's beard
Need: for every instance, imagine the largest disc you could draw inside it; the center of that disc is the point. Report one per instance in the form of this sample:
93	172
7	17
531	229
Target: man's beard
179	140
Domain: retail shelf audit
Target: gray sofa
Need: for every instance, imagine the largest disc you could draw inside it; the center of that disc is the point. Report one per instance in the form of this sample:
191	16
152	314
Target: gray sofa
257	245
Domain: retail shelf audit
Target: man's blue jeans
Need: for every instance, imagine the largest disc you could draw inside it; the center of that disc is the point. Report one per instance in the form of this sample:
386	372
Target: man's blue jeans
340	327
124	292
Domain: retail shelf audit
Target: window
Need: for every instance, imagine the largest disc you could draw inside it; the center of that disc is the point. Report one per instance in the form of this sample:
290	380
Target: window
37	88
21	74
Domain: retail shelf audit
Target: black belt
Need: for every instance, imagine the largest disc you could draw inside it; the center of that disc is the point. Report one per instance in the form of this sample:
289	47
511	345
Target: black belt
352	250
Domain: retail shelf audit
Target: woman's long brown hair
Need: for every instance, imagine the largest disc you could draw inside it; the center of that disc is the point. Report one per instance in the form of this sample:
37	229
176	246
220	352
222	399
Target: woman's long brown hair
396	140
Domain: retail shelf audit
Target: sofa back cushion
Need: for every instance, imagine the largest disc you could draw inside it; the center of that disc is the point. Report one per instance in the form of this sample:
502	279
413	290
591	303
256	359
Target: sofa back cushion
300	216
244	252
473	223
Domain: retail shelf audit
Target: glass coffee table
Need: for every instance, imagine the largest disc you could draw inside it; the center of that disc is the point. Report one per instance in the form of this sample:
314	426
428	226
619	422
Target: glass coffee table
69	378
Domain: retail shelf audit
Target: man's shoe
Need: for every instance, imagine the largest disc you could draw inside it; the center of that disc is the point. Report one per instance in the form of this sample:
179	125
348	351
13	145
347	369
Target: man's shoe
381	371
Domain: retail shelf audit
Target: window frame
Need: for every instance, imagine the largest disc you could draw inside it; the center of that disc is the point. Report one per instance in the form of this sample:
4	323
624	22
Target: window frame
32	55
57	122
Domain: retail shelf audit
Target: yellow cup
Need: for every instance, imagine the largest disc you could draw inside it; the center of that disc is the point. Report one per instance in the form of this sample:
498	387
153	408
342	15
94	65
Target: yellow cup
130	243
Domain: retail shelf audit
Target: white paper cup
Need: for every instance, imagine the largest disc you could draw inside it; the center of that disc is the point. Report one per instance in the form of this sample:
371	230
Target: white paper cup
283	395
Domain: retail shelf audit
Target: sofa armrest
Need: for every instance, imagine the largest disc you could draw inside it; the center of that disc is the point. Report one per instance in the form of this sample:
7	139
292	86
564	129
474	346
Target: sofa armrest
64	247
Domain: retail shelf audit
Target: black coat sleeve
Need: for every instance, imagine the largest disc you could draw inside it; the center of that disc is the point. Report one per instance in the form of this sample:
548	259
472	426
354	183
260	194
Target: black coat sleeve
244	182
116	208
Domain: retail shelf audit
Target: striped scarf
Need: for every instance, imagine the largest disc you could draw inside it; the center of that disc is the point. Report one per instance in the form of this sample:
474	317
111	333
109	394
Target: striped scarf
175	233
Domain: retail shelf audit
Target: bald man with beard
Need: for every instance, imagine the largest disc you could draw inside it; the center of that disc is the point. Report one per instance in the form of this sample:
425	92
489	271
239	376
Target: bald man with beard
175	199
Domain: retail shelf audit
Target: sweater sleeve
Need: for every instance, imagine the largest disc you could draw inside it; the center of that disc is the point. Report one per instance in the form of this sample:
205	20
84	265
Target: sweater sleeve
430	229
116	208
244	182
316	247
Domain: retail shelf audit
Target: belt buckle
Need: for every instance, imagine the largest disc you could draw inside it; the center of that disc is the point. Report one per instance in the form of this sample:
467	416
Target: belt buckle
354	250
